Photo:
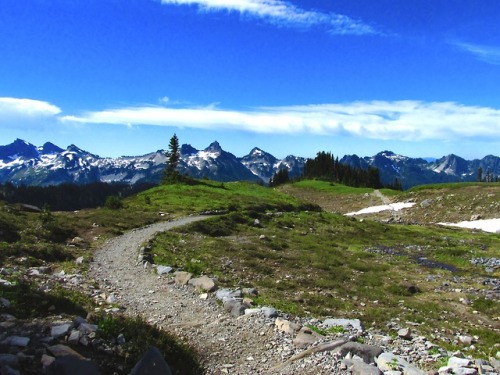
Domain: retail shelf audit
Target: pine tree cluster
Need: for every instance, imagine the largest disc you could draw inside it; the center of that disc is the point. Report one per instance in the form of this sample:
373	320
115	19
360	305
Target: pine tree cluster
325	167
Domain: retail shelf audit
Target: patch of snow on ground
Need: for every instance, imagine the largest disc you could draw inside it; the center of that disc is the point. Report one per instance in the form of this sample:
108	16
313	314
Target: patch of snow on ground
385	207
487	225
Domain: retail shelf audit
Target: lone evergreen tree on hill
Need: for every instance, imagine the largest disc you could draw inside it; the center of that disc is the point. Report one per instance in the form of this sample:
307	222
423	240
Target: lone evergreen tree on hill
172	175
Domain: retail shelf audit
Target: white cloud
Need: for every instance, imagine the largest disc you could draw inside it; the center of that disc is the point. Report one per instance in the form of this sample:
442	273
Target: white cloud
27	107
282	13
399	120
16	112
487	54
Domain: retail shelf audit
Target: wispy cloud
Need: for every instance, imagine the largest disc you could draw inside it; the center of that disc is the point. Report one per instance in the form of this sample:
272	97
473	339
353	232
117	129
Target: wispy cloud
283	13
16	112
398	120
487	54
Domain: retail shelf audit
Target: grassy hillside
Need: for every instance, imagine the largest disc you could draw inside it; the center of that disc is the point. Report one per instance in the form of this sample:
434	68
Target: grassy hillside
304	261
325	264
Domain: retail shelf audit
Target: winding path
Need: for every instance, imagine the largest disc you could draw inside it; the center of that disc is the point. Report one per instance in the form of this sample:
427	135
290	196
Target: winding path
244	345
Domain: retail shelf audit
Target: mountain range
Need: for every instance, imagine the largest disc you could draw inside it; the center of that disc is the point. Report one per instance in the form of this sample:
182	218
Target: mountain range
23	163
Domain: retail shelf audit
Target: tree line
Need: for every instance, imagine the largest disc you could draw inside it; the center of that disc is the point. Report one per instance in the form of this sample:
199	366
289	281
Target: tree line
328	168
69	197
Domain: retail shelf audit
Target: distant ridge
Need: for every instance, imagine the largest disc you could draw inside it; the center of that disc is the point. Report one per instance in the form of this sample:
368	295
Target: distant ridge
24	163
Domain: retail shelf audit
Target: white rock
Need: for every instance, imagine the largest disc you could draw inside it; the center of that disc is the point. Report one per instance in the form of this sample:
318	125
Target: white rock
455	362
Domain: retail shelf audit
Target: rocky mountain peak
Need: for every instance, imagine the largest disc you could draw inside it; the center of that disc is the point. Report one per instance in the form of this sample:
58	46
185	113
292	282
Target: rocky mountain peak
18	149
187	149
49	148
214	147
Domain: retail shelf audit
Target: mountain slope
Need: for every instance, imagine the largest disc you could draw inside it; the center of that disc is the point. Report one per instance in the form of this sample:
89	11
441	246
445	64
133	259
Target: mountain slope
418	171
24	163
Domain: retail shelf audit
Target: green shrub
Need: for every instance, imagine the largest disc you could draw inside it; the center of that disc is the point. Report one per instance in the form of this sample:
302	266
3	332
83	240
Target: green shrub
113	203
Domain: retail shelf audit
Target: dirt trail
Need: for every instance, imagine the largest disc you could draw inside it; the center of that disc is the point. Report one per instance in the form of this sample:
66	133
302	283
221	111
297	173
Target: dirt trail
244	345
382	197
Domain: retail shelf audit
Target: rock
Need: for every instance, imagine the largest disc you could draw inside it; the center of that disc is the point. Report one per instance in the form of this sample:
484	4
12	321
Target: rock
4	302
269	312
230	303
354	323
391	362
60	350
223	294
465	371
367	353
70	365
80	260
426	203
405	333
358	367
253	311
87	328
60	330
9	360
238	310
182	277
151	363
248	302
47	360
465	340
203	283
120	340
74	337
163	270
287	326
306	337
17	341
455	362
495	362
475	217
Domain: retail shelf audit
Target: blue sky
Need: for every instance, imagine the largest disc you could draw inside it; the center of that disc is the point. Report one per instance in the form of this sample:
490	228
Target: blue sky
119	77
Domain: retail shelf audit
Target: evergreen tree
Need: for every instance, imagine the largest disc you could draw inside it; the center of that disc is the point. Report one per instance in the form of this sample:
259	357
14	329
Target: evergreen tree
480	174
279	178
171	173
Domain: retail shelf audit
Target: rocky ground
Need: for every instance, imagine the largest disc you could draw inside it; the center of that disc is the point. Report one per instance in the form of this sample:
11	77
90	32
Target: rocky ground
231	335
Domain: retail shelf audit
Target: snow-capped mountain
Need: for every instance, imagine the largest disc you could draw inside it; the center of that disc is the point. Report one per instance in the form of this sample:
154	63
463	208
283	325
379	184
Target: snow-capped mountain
264	165
213	163
418	171
24	163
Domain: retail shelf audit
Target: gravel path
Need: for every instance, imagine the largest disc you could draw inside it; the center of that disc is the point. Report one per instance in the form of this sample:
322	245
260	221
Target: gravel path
244	345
